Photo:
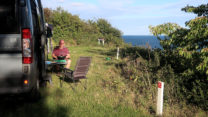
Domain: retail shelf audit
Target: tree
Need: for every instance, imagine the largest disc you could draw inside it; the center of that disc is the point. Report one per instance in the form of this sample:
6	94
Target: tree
190	47
111	34
201	10
48	14
73	29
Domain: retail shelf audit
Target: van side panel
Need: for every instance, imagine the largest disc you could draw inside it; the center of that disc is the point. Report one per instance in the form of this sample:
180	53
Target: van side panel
10	70
10	43
10	61
11	67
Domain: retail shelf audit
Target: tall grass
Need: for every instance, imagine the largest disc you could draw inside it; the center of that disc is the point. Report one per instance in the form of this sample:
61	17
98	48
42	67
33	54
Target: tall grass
103	94
143	67
106	93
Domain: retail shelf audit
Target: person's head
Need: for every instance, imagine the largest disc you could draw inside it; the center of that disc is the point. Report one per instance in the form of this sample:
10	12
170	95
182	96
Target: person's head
61	44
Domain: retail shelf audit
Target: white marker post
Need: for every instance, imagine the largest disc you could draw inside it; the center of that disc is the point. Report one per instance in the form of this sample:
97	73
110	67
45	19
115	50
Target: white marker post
48	45
117	53
103	42
160	98
98	41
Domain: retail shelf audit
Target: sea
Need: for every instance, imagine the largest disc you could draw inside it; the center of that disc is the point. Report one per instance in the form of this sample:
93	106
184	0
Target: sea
142	40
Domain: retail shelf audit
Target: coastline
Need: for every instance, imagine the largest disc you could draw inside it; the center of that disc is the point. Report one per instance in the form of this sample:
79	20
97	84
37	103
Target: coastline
142	40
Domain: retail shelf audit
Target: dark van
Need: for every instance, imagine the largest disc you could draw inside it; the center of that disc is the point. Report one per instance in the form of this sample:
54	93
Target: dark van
22	42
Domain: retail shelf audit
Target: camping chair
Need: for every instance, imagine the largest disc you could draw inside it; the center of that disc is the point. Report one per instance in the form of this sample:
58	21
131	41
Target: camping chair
80	70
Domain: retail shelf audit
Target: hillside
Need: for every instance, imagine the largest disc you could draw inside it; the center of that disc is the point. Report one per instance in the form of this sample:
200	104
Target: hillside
105	93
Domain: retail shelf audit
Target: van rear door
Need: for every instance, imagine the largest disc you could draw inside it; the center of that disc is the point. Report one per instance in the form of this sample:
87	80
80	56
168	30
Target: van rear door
10	44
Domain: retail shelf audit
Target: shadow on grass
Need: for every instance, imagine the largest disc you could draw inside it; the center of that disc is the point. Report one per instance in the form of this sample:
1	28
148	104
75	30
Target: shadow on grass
95	51
103	52
109	63
108	56
70	81
19	106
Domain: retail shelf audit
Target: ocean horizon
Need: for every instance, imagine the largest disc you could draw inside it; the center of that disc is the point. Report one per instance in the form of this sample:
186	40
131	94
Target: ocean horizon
142	40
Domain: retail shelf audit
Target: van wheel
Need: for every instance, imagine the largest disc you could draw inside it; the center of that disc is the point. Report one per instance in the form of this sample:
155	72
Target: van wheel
43	84
47	80
34	94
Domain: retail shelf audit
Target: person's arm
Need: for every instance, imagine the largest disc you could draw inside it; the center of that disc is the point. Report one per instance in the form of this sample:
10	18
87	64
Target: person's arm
68	56
54	56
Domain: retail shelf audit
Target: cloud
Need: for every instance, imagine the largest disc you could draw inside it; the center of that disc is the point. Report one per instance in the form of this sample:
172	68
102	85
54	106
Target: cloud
85	10
167	10
114	4
82	6
60	0
128	14
77	4
120	8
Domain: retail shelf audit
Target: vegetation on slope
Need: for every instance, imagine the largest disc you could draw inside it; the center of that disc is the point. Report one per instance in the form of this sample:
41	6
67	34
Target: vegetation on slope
125	87
103	94
186	52
79	32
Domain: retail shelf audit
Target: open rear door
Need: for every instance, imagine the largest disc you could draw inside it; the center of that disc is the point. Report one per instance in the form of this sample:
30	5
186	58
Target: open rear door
10	44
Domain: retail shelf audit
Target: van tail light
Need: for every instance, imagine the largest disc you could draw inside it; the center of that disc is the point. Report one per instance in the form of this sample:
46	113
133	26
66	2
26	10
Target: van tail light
26	82
27	44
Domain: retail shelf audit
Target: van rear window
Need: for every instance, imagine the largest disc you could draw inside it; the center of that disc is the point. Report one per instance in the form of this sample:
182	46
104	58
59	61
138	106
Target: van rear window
9	17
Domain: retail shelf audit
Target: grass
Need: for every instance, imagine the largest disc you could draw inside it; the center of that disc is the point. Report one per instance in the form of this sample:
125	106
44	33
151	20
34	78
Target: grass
106	93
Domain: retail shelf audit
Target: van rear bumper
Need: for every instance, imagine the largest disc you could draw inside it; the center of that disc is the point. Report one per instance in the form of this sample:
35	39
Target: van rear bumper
15	85
16	90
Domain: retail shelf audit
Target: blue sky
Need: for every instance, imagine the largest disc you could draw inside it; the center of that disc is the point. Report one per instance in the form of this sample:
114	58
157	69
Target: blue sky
132	17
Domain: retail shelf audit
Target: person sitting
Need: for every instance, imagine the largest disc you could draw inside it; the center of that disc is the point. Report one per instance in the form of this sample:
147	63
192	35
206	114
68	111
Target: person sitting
61	52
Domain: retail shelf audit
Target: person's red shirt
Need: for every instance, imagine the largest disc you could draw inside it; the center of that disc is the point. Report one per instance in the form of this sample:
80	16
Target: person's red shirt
61	52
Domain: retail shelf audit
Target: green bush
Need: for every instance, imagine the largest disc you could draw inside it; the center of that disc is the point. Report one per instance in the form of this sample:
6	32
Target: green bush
187	52
72	29
146	67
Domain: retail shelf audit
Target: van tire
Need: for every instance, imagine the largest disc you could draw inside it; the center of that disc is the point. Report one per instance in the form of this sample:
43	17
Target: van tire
34	95
47	80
